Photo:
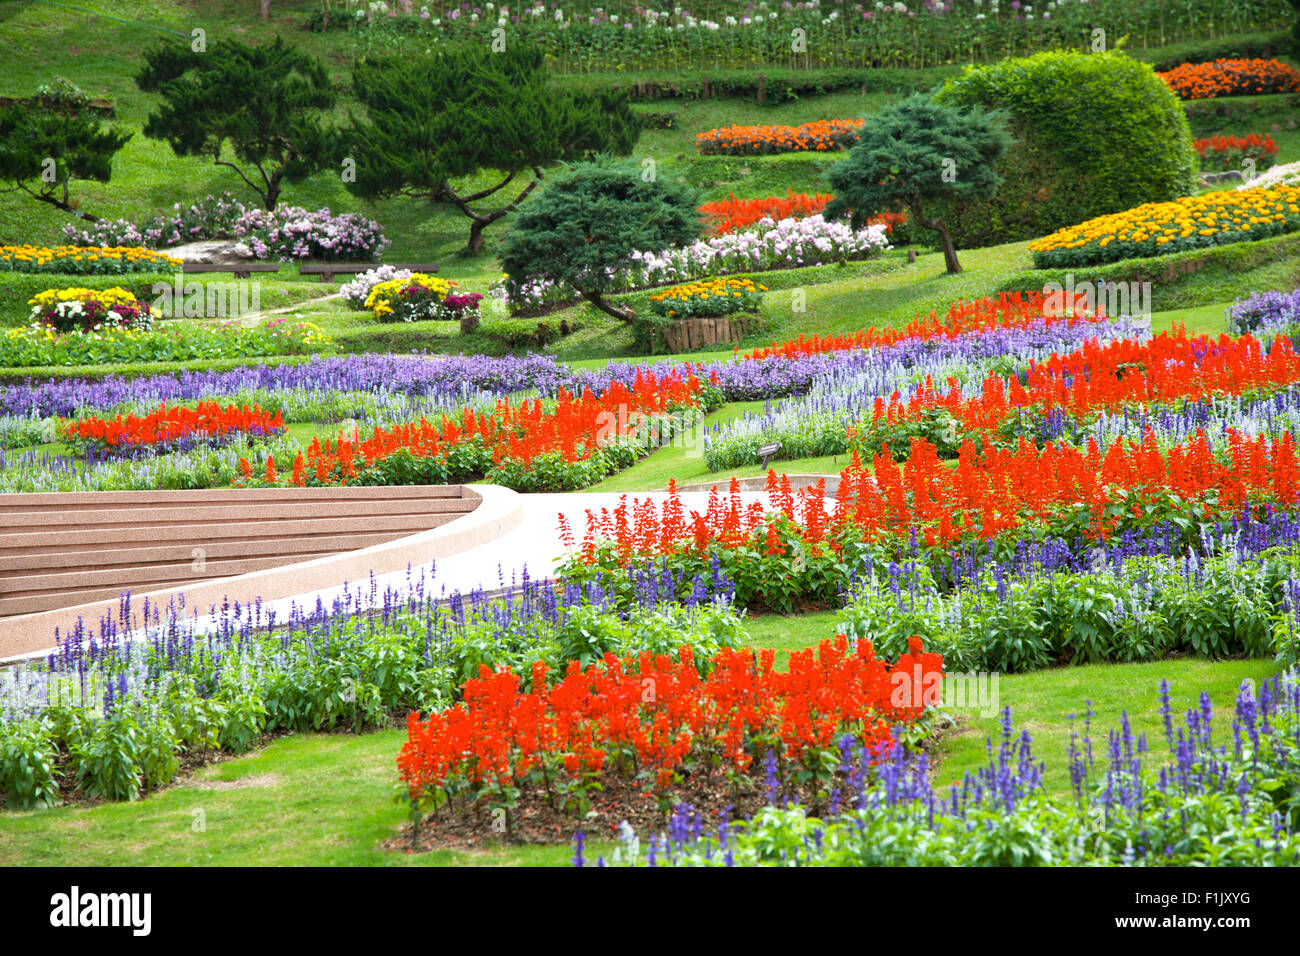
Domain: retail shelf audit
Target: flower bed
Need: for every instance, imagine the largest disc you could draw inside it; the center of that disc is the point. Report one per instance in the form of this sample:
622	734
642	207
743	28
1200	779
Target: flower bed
39	347
85	260
713	297
1285	175
90	310
357	291
415	297
291	233
212	217
732	214
1196	81
559	445
1206	802
655	720
111	714
173	428
1010	310
788	244
1228	152
1194	222
594	36
818	136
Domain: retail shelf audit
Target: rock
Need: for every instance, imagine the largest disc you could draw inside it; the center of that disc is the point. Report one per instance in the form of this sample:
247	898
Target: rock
213	251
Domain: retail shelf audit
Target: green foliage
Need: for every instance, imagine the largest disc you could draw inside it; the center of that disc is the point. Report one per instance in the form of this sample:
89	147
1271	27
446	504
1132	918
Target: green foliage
586	224
42	151
1177	278
1246	46
916	153
1145	611
436	119
343	676
29	348
1095	133
27	767
264	104
779	86
17	289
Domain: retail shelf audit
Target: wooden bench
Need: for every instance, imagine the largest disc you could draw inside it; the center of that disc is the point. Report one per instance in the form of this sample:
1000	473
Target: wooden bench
328	270
66	549
241	270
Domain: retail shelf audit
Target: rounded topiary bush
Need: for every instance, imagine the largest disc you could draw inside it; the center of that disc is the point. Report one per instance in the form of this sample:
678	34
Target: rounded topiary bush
1094	133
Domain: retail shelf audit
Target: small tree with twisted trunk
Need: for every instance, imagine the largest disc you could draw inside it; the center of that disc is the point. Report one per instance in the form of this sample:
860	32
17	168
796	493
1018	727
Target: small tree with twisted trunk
434	121
914	152
42	151
585	225
256	110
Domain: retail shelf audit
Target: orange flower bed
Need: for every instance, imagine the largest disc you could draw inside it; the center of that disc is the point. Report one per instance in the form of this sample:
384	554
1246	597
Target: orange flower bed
1198	81
1227	152
1010	310
652	715
170	428
732	214
572	428
818	136
1109	377
989	493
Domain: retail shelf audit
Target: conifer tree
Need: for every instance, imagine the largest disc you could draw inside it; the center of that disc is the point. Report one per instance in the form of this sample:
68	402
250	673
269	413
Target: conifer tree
914	152
587	223
42	151
435	120
258	111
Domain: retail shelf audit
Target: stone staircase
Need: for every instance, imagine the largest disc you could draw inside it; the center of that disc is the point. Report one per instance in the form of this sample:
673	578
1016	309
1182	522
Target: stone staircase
63	550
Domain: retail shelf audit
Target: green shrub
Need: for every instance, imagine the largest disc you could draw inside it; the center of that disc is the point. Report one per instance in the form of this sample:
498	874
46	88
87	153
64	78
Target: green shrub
41	348
1095	133
1229	115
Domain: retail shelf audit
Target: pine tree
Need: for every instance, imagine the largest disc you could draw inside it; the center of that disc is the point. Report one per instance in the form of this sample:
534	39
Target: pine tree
914	152
586	224
43	150
435	120
255	110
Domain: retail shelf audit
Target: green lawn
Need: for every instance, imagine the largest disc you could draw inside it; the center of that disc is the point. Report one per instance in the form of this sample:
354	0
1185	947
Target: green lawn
327	799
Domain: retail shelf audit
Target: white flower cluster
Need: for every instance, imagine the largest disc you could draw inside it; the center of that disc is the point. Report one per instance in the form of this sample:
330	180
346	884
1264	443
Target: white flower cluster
1285	175
788	244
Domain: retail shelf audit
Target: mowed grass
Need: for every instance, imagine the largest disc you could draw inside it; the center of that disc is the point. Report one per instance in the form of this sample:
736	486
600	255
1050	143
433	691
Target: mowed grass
328	799
1043	703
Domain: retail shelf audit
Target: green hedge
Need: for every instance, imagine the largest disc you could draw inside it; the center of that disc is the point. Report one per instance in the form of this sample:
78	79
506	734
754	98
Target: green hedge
1095	133
17	288
1248	46
1174	278
493	336
779	86
14	376
1236	115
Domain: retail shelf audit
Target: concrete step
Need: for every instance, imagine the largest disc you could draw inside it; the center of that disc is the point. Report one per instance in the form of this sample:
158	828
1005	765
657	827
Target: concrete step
94	559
